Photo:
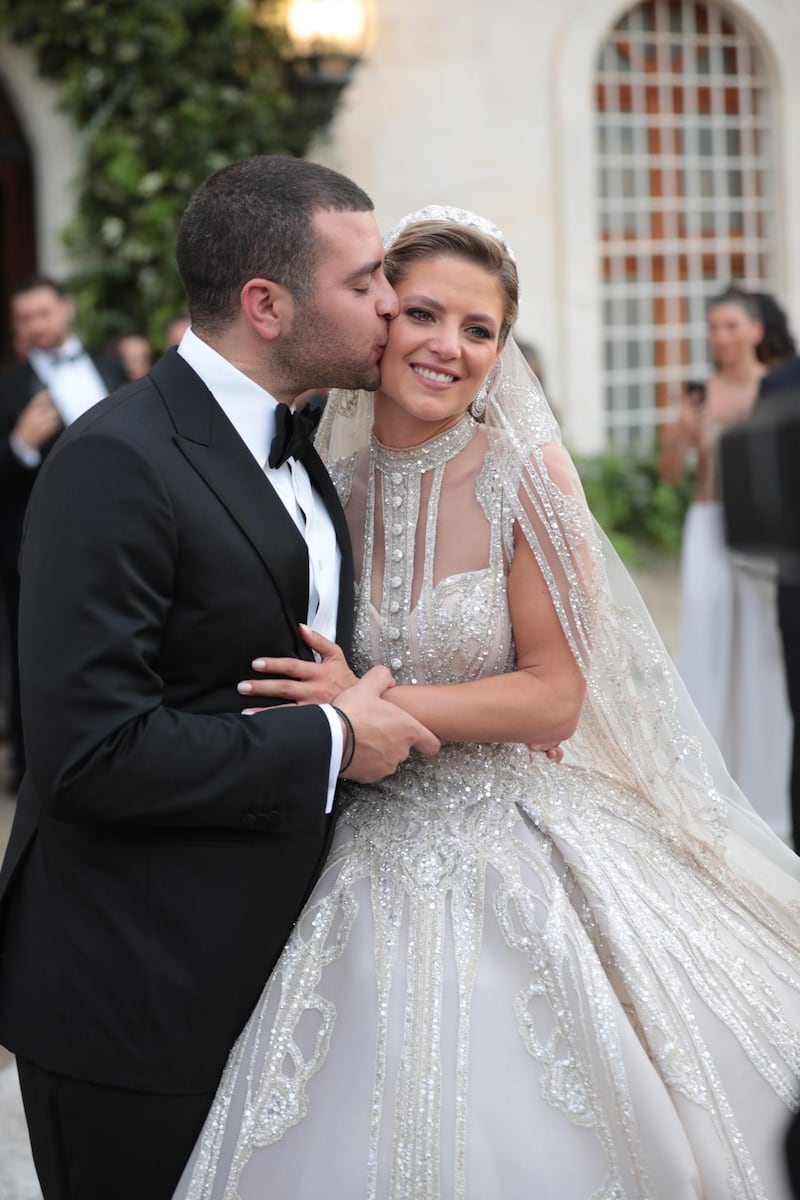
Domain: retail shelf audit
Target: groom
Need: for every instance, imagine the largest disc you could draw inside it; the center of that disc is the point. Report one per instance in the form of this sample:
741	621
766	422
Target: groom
164	843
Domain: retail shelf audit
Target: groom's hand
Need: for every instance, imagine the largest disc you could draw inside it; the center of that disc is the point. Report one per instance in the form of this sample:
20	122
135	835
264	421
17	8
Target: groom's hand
384	734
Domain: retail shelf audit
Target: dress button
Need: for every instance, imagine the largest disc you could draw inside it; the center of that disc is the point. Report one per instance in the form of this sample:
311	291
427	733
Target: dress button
394	632
397	478
395	581
397	555
396	663
397	530
394	607
398	501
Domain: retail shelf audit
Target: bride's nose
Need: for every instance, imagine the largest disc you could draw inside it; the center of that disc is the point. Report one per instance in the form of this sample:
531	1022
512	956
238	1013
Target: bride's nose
444	340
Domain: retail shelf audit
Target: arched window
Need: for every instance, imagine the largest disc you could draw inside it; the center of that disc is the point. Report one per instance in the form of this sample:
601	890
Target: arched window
685	196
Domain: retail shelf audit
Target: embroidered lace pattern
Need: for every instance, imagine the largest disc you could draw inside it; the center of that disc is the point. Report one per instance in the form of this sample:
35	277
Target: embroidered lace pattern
608	909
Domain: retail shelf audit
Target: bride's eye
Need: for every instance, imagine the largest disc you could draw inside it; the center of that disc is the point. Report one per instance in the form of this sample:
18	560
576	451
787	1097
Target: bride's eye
480	331
419	314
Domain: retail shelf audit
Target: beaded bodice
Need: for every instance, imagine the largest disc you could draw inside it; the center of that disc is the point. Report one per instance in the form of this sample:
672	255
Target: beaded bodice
493	934
431	598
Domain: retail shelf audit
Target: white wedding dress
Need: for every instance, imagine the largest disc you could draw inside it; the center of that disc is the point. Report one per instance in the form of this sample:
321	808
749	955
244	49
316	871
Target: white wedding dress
514	978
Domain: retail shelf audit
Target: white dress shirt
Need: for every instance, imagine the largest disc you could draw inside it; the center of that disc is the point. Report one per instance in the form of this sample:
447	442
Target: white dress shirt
71	378
74	384
251	411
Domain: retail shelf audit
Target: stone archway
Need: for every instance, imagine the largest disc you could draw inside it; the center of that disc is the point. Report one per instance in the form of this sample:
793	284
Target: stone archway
17	222
55	152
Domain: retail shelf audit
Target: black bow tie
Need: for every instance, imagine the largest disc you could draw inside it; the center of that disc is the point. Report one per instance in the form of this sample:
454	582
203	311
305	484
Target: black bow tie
293	433
59	357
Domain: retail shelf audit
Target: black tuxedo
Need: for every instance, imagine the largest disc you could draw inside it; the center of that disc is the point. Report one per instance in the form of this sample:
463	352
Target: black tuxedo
18	385
163	845
783	386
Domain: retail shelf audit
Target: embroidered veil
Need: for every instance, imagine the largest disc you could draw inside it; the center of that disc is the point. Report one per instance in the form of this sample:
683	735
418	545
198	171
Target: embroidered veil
638	725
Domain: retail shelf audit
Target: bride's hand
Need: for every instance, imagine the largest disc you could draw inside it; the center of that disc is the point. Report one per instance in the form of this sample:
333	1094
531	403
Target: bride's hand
554	753
302	682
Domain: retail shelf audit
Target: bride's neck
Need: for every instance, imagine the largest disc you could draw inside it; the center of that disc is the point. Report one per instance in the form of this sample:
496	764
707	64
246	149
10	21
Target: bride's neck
397	429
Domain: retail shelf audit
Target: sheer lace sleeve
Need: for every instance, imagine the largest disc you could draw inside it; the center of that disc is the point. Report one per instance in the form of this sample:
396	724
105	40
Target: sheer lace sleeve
638	724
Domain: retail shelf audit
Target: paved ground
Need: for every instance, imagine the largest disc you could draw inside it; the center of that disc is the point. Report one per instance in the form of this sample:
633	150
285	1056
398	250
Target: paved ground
659	587
17	1176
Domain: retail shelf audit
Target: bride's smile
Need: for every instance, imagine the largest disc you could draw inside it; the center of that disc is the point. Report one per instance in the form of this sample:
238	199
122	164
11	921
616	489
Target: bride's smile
442	345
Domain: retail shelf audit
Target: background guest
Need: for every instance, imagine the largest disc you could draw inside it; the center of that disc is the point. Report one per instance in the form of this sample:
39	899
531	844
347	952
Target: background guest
176	328
134	352
730	655
782	387
54	381
777	346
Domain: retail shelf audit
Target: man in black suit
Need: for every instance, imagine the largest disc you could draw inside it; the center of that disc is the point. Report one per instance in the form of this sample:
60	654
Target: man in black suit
782	387
164	842
55	381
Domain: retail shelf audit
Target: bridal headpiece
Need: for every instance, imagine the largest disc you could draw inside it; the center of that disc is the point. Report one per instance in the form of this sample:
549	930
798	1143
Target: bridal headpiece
455	216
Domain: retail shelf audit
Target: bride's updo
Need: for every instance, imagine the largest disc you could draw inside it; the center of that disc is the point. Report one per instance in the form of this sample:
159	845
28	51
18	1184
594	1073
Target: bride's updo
432	239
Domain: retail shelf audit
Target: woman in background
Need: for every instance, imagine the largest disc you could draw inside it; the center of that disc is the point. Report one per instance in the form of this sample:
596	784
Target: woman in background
730	654
777	346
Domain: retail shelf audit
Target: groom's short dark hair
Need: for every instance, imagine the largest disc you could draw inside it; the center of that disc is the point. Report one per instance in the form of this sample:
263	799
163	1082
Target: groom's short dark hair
254	219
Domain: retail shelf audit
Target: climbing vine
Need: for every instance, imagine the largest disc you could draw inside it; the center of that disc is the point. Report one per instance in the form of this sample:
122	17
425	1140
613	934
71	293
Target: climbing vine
162	94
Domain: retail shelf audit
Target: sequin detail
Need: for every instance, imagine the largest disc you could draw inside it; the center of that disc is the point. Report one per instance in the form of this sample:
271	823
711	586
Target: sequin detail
625	934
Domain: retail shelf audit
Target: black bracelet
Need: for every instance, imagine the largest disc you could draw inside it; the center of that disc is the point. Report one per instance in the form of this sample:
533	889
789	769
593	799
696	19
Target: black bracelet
350	741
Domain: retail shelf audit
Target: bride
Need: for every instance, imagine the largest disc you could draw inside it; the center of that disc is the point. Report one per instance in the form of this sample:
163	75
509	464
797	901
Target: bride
515	977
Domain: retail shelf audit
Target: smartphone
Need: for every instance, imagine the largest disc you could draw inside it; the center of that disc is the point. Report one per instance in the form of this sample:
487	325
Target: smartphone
696	392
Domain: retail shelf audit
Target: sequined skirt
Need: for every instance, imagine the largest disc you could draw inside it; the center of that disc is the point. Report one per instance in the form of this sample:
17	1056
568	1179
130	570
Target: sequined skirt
512	981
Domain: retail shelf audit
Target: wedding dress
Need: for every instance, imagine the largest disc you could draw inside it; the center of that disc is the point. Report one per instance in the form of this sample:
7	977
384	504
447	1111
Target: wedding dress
516	978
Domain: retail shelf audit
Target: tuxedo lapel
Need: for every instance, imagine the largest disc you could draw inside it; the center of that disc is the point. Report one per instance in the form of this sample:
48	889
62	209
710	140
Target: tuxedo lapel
324	485
110	370
32	384
208	440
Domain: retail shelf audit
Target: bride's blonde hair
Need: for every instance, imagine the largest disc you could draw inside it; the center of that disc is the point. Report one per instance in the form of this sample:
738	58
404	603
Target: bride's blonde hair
432	239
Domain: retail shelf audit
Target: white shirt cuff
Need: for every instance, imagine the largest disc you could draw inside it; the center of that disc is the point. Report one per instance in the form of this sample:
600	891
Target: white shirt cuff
337	746
26	454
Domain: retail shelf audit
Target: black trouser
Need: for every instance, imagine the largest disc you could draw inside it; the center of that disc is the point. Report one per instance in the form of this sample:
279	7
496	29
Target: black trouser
9	580
101	1143
791	652
793	1155
789	618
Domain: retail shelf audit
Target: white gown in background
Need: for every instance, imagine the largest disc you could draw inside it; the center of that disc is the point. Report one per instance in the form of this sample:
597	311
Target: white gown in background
731	661
514	979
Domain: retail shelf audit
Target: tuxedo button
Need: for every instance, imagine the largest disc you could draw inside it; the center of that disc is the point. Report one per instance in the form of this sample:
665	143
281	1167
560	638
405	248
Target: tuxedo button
263	820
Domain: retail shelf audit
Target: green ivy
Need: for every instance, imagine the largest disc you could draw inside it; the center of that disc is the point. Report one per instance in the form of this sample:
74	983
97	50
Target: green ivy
637	511
162	94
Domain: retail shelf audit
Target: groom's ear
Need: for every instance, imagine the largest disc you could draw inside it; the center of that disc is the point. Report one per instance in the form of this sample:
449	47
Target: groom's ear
267	307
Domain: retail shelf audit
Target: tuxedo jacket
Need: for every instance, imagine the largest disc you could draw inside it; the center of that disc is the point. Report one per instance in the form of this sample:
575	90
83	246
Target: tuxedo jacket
163	844
19	383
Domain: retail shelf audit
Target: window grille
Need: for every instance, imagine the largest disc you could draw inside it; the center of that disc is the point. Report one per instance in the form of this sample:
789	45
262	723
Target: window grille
685	197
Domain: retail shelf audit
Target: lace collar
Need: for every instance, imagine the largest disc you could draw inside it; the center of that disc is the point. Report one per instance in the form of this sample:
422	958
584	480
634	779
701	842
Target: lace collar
428	455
